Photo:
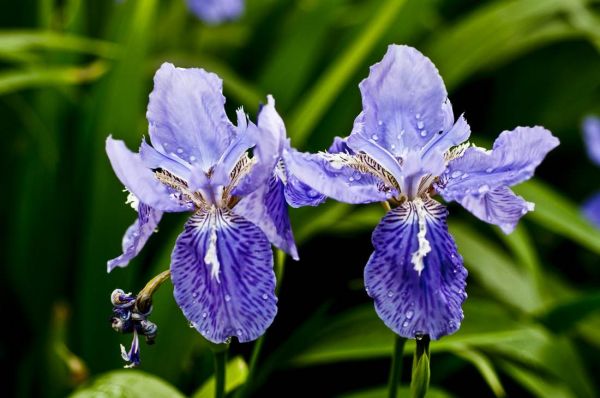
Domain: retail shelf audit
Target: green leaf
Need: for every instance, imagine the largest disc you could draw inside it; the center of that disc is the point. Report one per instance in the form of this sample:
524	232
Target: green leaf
484	366
565	315
558	214
127	384
538	385
35	77
402	392
235	375
23	41
328	86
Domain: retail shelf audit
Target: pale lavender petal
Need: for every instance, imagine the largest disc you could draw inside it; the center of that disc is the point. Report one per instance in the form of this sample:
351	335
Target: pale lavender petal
216	11
136	235
591	210
479	178
269	137
186	115
499	206
409	302
299	194
266	207
340	145
403	102
591	135
140	180
337	181
156	160
222	273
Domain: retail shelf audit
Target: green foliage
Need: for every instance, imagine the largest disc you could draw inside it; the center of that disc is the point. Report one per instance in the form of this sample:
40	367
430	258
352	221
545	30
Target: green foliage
72	72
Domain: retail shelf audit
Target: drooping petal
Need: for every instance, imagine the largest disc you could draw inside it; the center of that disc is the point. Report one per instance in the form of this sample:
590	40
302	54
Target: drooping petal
591	210
136	235
186	115
299	194
591	135
415	275
217	11
140	180
499	206
266	207
478	179
222	273
132	357
334	179
403	101
269	137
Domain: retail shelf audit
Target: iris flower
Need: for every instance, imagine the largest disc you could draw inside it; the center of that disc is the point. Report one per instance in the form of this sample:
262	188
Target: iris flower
229	178
405	147
216	11
591	135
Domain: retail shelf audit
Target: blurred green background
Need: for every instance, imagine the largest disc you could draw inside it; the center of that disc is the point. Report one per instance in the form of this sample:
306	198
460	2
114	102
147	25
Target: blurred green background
74	71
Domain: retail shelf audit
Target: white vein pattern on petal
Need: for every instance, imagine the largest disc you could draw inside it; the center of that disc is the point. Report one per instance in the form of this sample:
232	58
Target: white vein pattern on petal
424	246
211	258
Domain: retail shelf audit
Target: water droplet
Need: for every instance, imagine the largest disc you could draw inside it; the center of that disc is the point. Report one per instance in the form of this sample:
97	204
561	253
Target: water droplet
465	176
418	115
374	136
409	314
390	293
357	176
165	144
380	122
367	290
192	325
456	174
489	170
192	158
420	124
179	150
393	146
451	323
350	178
405	324
265	296
194	295
239	332
423	133
483	189
419	335
312	192
227	297
204	315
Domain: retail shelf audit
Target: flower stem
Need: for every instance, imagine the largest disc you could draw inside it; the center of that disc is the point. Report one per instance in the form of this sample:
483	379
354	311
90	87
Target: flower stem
220	363
247	387
396	369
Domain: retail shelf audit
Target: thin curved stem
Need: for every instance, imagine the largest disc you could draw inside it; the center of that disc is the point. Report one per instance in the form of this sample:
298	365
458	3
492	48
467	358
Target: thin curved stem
396	369
220	364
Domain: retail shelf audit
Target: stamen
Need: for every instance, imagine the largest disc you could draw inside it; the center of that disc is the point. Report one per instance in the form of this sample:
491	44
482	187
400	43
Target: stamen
456	151
180	186
362	163
424	246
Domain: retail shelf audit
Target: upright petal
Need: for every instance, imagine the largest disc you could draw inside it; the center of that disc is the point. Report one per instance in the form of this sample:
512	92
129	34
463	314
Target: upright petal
591	210
153	159
266	207
403	101
269	137
186	115
140	180
323	173
479	179
216	11
591	135
136	235
415	275
222	273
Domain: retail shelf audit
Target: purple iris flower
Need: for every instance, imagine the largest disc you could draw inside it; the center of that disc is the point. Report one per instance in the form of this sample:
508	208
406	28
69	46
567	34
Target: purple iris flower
216	11
232	180
406	146
591	135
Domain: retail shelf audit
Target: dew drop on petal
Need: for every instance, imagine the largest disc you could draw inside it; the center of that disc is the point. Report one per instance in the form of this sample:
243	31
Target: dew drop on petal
409	314
423	133
489	170
179	150
418	115
192	158
405	324
390	293
374	136
465	176
239	332
265	296
227	297
350	178
456	174
483	189
204	315
380	122
420	124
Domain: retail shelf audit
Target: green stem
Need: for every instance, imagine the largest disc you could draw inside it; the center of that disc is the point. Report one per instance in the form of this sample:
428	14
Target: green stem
247	387
396	369
220	363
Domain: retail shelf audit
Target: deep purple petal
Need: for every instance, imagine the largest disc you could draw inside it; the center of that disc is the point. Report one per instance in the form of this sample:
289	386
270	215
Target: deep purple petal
403	101
499	206
591	210
407	301
186	115
216	11
591	136
140	180
269	137
136	235
222	272
337	181
266	207
479	179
